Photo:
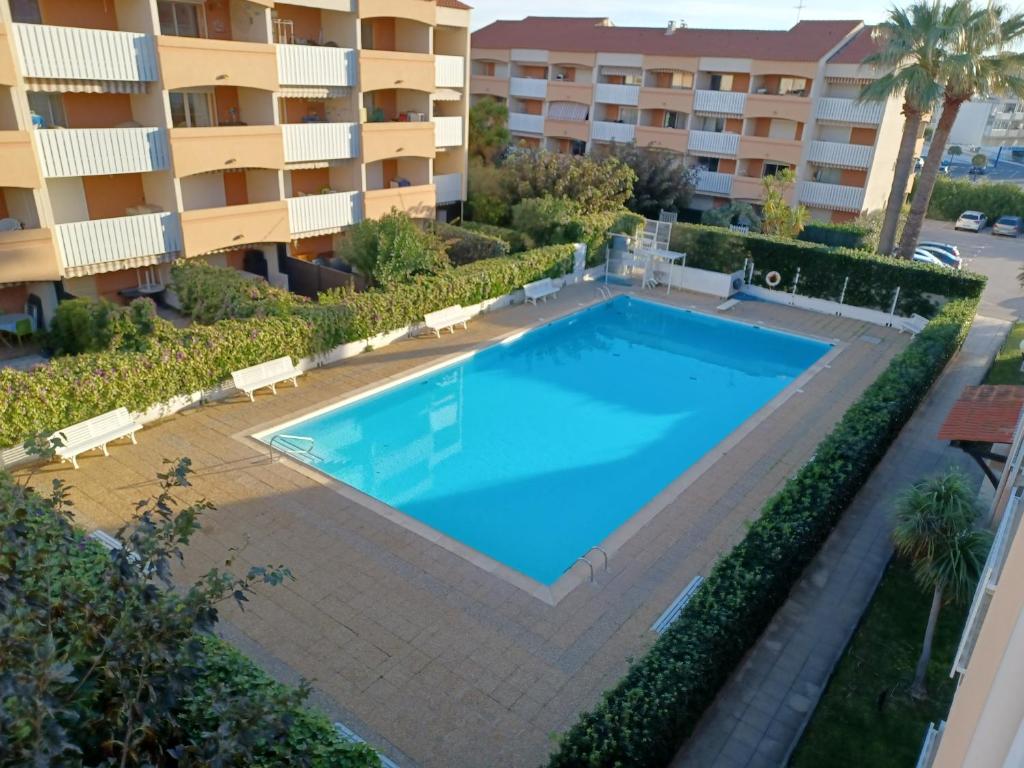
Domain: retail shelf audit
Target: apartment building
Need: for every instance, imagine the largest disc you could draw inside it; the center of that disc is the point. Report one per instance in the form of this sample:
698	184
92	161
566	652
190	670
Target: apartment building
244	132
987	122
740	104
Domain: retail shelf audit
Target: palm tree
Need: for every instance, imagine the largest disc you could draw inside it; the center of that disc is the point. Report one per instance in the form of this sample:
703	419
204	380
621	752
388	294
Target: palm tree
933	526
980	59
910	43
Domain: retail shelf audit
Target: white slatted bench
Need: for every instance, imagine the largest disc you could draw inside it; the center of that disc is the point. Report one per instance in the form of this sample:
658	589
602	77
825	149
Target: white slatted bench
95	433
540	289
447	319
676	607
266	375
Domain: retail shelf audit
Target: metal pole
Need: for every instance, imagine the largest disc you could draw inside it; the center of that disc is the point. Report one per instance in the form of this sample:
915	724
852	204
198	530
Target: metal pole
842	293
892	309
995	163
796	280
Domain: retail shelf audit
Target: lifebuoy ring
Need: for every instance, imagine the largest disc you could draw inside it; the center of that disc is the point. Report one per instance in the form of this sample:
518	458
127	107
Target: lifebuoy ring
773	279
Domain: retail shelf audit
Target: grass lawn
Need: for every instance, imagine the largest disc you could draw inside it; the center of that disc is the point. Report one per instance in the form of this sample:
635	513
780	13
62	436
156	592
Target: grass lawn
1006	367
866	717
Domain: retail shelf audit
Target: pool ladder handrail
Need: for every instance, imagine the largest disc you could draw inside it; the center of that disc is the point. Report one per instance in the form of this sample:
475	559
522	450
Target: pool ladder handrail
604	292
294	450
586	560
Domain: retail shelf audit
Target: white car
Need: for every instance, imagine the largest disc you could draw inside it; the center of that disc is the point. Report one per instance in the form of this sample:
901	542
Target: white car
973	221
927	258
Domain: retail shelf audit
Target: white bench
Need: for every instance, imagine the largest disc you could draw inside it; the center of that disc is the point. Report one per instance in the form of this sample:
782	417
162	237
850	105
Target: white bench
268	374
676	607
95	433
540	289
447	318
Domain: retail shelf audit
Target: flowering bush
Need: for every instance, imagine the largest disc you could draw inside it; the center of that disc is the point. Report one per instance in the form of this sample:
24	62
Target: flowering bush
208	293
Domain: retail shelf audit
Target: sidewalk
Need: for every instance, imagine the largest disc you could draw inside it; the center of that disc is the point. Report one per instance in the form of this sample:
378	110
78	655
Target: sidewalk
758	717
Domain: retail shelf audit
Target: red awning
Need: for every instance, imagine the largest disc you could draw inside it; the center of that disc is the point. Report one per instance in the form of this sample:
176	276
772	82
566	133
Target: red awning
986	414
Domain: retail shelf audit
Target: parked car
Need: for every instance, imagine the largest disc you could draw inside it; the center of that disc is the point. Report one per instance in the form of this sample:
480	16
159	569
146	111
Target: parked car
973	221
944	246
947	258
927	258
977	170
1007	225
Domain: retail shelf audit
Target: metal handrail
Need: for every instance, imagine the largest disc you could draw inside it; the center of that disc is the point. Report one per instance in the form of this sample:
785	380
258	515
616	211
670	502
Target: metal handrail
292	450
602	551
589	565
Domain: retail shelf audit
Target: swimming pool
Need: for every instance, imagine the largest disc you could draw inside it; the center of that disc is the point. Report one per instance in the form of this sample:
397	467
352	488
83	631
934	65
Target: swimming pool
536	449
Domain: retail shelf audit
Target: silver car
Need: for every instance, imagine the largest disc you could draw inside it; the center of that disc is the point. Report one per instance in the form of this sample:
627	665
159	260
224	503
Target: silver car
973	221
1007	225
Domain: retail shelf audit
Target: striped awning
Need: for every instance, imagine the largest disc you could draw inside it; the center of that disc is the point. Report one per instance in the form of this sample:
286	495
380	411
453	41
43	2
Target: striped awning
98	268
624	71
314	92
446	94
63	85
296	236
848	80
567	110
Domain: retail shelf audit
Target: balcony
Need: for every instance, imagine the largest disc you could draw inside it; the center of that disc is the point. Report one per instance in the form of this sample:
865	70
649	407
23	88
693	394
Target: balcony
839	155
488	85
561	90
199	150
325	214
320	142
773	150
747	188
528	87
567	129
380	70
422	11
612	93
76	53
714	183
665	138
106	245
519	122
795	108
623	133
234	226
28	255
836	197
17	160
382	141
447	131
188	62
719	102
419	201
836	110
713	143
449	188
102	151
7	73
673	99
318	66
449	71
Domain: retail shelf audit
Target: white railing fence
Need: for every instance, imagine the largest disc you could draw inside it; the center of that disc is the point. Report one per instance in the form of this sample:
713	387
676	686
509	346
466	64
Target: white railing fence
448	188
85	54
84	245
449	71
316	65
96	151
319	214
447	131
313	142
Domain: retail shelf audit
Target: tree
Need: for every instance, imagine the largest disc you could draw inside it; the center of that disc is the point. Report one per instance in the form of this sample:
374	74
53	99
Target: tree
546	220
909	43
736	212
777	217
933	527
488	198
393	249
954	151
981	57
979	160
488	129
595	185
96	325
663	180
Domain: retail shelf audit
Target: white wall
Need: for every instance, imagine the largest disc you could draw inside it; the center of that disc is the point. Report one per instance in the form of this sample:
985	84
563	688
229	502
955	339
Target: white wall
67	200
203	190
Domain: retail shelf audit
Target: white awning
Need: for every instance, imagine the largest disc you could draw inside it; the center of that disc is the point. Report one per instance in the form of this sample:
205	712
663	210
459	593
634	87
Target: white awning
567	110
84	270
315	93
624	71
62	85
447	94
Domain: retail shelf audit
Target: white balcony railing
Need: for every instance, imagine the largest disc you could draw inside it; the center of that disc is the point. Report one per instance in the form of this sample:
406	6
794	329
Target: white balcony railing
613	93
316	66
714	183
930	747
837	197
840	155
320	142
103	245
447	131
704	142
449	188
449	71
519	122
76	53
837	110
528	87
719	102
102	151
623	133
323	214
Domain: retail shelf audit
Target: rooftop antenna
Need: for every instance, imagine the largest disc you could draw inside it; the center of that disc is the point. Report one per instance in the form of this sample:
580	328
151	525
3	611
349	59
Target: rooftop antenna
799	9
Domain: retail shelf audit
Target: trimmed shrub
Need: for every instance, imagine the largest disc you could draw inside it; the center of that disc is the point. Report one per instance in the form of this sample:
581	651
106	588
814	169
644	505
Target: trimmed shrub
835	235
516	240
952	197
208	293
94	325
393	249
646	717
466	246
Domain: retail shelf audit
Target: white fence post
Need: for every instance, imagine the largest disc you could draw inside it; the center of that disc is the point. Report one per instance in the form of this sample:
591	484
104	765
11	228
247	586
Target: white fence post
892	309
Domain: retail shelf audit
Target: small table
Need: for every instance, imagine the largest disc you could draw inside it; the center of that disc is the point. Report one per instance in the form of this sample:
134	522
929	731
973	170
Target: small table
9	324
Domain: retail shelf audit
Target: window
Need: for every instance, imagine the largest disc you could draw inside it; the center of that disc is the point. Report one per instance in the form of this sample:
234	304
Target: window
191	109
712	124
49	107
709	164
628	115
673	120
828	175
720	83
794	85
772	169
577	147
183	19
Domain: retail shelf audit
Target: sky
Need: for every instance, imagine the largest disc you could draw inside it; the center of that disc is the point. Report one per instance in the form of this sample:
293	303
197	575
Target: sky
735	14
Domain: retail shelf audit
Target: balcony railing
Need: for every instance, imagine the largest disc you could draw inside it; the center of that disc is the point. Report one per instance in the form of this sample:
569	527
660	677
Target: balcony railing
28	255
418	201
519	122
76	53
528	87
450	71
714	183
614	93
623	133
837	110
838	197
719	102
703	142
104	245
932	738
102	151
323	214
448	131
320	142
310	65
449	188
840	155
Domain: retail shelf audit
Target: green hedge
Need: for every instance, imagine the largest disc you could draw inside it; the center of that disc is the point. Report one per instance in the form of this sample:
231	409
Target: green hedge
516	240
645	718
836	235
952	197
465	246
872	278
209	293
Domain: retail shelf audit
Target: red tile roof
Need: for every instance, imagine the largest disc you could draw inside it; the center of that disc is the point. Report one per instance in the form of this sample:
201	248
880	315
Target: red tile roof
857	49
986	414
807	41
454	4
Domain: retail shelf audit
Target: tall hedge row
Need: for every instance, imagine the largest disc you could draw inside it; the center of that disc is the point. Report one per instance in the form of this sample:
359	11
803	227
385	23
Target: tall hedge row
645	718
465	246
835	235
952	197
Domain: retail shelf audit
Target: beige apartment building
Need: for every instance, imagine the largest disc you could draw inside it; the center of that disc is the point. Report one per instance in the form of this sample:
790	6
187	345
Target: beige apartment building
244	132
739	103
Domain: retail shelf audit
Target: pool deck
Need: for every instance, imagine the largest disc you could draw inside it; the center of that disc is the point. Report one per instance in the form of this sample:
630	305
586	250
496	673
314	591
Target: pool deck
426	655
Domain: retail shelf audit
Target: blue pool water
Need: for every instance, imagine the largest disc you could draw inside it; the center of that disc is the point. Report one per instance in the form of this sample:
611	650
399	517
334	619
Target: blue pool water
535	450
